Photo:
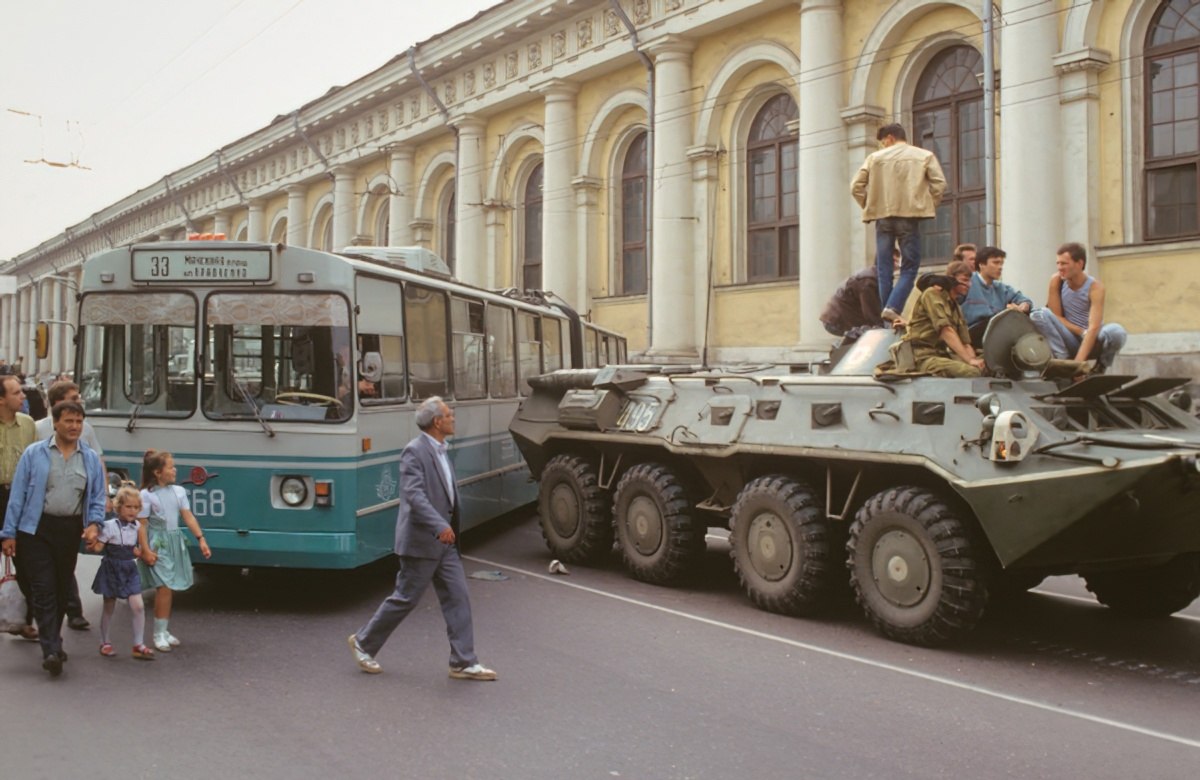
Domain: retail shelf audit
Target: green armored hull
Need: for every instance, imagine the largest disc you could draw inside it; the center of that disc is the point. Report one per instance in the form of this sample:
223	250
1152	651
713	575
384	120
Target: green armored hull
929	496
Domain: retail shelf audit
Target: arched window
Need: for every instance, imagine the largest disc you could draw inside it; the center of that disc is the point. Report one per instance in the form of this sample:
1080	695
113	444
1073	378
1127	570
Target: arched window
1173	120
383	222
531	252
948	120
451	223
243	233
327	233
633	219
773	245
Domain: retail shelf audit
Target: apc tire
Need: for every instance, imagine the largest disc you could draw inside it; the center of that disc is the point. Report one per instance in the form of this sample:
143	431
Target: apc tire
660	537
914	568
574	511
781	546
1149	592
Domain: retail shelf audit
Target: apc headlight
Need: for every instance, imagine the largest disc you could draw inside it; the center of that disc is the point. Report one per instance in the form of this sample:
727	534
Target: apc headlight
988	404
293	491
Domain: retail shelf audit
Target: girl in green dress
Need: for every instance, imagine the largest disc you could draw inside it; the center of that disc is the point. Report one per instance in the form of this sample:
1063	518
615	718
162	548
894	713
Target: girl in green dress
165	565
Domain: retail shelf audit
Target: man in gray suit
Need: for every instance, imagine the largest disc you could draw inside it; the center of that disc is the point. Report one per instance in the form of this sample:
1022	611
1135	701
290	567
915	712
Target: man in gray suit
426	541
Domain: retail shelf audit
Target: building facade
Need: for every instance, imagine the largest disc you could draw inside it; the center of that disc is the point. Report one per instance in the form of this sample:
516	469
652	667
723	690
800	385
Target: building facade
679	169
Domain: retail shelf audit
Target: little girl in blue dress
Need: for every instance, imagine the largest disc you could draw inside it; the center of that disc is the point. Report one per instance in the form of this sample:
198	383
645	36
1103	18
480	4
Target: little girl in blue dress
117	577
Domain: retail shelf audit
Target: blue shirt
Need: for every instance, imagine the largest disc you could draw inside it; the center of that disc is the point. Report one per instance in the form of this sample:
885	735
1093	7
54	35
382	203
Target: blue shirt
28	497
985	301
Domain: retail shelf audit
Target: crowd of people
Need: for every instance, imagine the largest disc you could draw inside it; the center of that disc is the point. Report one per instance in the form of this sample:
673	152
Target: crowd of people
944	318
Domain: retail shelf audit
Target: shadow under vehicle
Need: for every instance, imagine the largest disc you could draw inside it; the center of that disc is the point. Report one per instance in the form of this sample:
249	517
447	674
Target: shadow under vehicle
934	495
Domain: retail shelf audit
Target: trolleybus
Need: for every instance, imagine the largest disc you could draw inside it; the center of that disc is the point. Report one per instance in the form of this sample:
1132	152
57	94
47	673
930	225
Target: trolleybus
284	380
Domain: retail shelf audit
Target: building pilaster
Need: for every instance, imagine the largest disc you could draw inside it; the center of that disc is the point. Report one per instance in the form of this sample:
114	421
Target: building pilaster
560	261
400	204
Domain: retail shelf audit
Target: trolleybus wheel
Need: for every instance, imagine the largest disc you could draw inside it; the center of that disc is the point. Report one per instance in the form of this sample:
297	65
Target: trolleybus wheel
575	512
657	530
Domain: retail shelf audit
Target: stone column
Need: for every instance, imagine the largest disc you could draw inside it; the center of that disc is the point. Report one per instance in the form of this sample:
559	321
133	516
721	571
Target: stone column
24	312
1079	74
673	320
400	204
297	226
824	180
470	223
221	223
560	272
64	305
1031	186
862	123
256	221
588	226
706	170
6	328
343	207
496	220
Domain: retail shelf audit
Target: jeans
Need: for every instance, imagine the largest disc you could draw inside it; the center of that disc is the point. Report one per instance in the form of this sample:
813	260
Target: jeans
888	231
1065	345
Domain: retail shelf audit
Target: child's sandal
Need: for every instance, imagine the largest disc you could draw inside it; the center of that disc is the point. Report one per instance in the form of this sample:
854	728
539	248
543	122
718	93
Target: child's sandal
143	653
107	651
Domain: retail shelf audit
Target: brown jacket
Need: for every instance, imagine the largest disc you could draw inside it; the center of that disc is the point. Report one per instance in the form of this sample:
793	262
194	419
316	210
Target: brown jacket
899	181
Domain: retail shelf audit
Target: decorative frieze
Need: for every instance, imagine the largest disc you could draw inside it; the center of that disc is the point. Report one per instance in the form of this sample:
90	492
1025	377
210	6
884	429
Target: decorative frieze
469	83
489	75
535	56
558	45
641	11
510	65
583	33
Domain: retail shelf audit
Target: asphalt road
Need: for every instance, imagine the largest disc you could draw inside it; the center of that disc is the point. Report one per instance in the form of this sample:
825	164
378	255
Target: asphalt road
602	677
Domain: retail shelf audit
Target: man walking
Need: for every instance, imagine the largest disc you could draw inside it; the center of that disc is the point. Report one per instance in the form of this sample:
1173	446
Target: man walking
17	432
1073	320
57	492
426	541
988	296
896	187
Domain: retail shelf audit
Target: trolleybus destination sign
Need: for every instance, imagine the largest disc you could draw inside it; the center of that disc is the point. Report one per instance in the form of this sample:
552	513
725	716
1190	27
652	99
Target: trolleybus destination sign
202	265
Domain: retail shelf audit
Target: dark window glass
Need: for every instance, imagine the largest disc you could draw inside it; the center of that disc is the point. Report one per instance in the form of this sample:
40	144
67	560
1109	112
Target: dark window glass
948	121
531	256
772	243
633	219
1173	120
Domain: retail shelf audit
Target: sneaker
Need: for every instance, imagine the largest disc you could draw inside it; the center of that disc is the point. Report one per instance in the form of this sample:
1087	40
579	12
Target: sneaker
889	315
161	643
79	623
53	664
143	653
472	672
362	657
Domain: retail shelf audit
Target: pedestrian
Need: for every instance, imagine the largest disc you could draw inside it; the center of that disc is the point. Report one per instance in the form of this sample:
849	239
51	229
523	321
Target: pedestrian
165	564
897	187
117	577
17	431
69	391
427	543
57	492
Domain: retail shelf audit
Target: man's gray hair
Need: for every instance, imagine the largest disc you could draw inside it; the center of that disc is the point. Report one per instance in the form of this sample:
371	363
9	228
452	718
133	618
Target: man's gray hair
429	410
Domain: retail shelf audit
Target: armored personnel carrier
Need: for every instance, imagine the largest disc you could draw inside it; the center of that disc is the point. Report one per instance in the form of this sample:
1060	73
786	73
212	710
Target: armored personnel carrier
933	495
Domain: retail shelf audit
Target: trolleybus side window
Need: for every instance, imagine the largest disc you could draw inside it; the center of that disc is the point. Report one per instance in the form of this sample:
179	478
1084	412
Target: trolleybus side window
502	375
589	347
273	356
380	342
127	347
552	344
425	320
467	341
529	347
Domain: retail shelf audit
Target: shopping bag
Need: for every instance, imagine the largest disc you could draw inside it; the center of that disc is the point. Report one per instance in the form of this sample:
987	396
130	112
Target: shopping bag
12	602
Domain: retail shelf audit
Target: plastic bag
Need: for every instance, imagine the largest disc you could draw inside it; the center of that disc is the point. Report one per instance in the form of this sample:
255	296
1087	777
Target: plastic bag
12	602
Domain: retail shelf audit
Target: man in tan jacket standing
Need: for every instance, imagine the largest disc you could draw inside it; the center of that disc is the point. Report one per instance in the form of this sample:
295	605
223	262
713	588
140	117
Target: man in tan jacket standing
897	186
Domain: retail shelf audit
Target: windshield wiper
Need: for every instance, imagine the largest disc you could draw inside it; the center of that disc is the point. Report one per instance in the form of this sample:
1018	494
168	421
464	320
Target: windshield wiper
133	417
250	400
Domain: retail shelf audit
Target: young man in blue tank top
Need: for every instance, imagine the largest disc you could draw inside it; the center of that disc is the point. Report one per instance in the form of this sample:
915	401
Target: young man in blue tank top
1073	320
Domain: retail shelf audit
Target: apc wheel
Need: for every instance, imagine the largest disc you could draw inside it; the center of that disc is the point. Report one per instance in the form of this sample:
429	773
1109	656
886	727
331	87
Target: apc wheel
575	513
780	545
659	536
1152	591
914	569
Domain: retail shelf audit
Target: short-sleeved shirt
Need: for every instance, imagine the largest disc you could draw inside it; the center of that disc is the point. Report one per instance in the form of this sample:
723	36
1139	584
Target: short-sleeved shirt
113	531
167	502
66	483
14	438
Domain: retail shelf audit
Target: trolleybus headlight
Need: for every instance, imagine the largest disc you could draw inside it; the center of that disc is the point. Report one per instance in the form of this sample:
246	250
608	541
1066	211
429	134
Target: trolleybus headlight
293	491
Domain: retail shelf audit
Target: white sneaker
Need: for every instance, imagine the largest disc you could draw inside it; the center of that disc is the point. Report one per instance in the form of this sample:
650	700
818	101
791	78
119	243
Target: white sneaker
172	641
161	643
473	672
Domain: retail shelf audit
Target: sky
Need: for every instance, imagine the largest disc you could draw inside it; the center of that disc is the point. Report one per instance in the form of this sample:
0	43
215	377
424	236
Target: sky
101	99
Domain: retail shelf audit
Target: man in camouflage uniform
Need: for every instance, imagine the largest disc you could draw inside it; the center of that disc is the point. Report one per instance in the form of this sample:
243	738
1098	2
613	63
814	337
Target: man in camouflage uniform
937	333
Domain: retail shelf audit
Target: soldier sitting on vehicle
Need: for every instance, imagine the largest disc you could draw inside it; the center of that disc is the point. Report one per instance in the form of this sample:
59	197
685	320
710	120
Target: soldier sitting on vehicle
936	341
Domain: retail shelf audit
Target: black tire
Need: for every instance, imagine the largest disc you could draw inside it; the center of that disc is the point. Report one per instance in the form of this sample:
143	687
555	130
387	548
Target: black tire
781	546
1149	592
914	568
575	513
660	537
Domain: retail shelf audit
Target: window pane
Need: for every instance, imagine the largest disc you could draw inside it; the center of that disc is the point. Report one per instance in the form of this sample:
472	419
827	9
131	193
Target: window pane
529	347
1173	209
425	324
762	186
763	253
789	182
633	272
552	343
501	364
789	263
936	243
467	343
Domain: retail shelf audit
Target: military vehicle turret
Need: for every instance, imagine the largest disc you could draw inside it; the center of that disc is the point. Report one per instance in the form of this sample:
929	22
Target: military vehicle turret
935	494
